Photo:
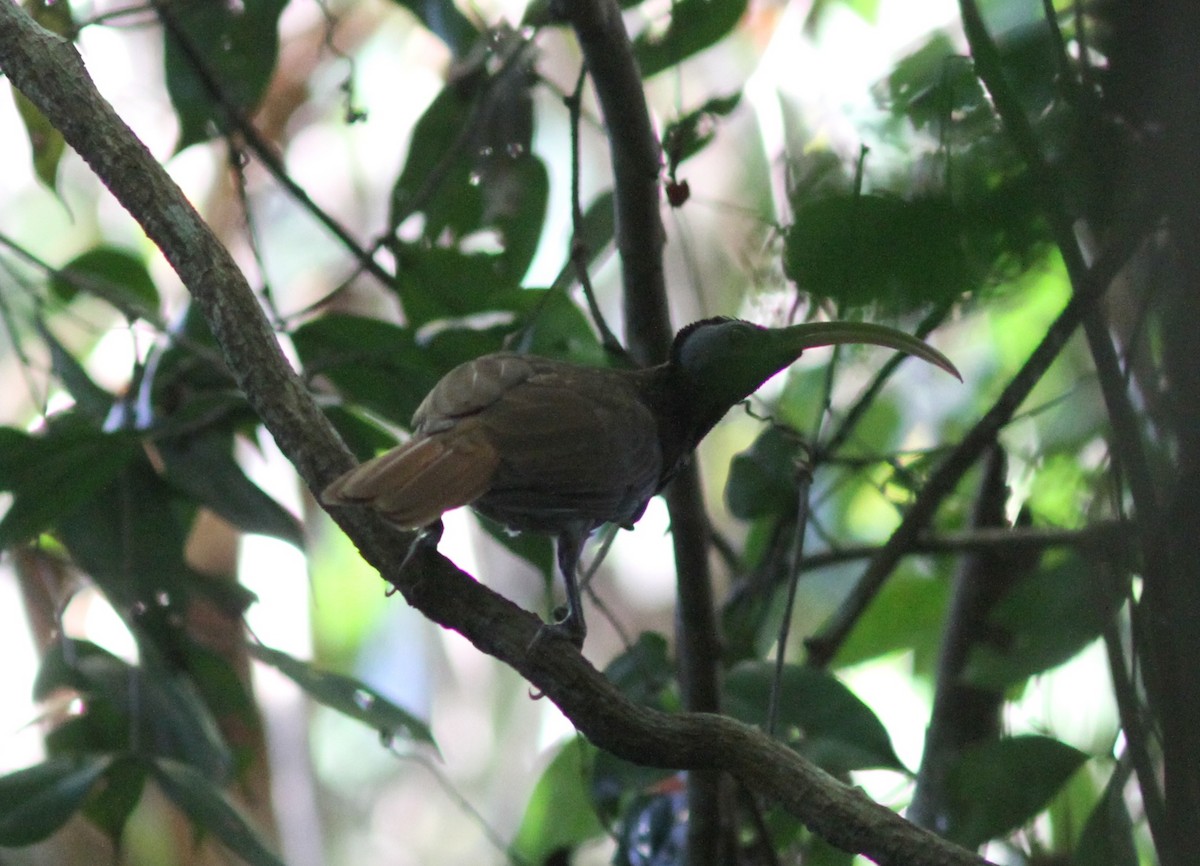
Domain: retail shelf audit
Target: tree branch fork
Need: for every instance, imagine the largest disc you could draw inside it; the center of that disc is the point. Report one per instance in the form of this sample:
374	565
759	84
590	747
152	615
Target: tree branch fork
51	74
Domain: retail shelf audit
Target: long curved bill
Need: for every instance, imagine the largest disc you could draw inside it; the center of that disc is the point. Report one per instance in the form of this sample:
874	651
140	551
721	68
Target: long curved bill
811	335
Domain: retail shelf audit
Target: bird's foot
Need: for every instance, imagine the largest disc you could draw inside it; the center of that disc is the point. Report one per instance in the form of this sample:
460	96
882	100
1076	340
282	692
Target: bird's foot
570	628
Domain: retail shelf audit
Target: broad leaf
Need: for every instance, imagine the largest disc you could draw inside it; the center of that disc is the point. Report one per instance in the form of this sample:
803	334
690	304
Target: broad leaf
113	275
52	474
999	786
203	467
1046	619
228	46
45	141
1107	838
129	537
818	716
348	696
211	810
559	813
692	132
36	801
444	20
694	26
762	480
374	364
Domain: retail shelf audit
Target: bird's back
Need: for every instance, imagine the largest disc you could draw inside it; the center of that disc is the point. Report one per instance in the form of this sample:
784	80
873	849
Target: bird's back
536	444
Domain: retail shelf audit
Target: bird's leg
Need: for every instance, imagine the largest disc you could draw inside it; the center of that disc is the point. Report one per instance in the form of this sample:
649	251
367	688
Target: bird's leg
425	538
571	626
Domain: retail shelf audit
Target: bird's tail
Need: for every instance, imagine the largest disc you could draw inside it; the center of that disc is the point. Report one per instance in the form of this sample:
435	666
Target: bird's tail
413	484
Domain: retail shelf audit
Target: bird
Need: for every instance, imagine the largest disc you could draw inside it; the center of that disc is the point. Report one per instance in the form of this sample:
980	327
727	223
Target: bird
560	449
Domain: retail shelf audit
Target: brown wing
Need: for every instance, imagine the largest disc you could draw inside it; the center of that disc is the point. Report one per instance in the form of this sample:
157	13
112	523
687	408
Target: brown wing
574	444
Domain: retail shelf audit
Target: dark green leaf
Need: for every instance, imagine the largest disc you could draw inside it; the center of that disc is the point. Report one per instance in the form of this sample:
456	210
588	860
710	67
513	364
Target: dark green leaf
818	716
997	787
691	133
91	400
762	480
936	84
694	26
1045	620
444	20
347	695
130	539
51	474
438	283
643	671
36	801
864	249
364	438
438	172
114	801
157	703
1107	838
923	598
374	364
229	47
559	813
45	141
202	466
598	225
516	205
537	550
208	806
113	275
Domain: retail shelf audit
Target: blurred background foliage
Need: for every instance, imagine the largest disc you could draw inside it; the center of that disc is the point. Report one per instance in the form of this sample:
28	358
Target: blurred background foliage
397	180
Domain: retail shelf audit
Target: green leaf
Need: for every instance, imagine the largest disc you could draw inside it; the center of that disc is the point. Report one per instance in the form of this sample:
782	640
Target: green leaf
644	671
997	787
923	599
45	141
151	705
52	474
819	716
129	538
438	156
443	19
374	364
438	283
863	249
516	199
1046	619
36	801
348	696
114	801
364	437
691	133
537	550
694	26
559	813
762	480
203	467
92	401
229	46
1107	838
113	275
209	807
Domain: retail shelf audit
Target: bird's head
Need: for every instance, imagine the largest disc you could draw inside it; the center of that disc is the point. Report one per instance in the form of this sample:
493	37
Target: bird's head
722	361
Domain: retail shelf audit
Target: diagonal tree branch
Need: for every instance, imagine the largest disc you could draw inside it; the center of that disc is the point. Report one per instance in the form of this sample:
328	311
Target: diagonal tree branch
51	74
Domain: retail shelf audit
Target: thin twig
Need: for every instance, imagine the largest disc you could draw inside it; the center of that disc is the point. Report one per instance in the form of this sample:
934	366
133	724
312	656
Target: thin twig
261	148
